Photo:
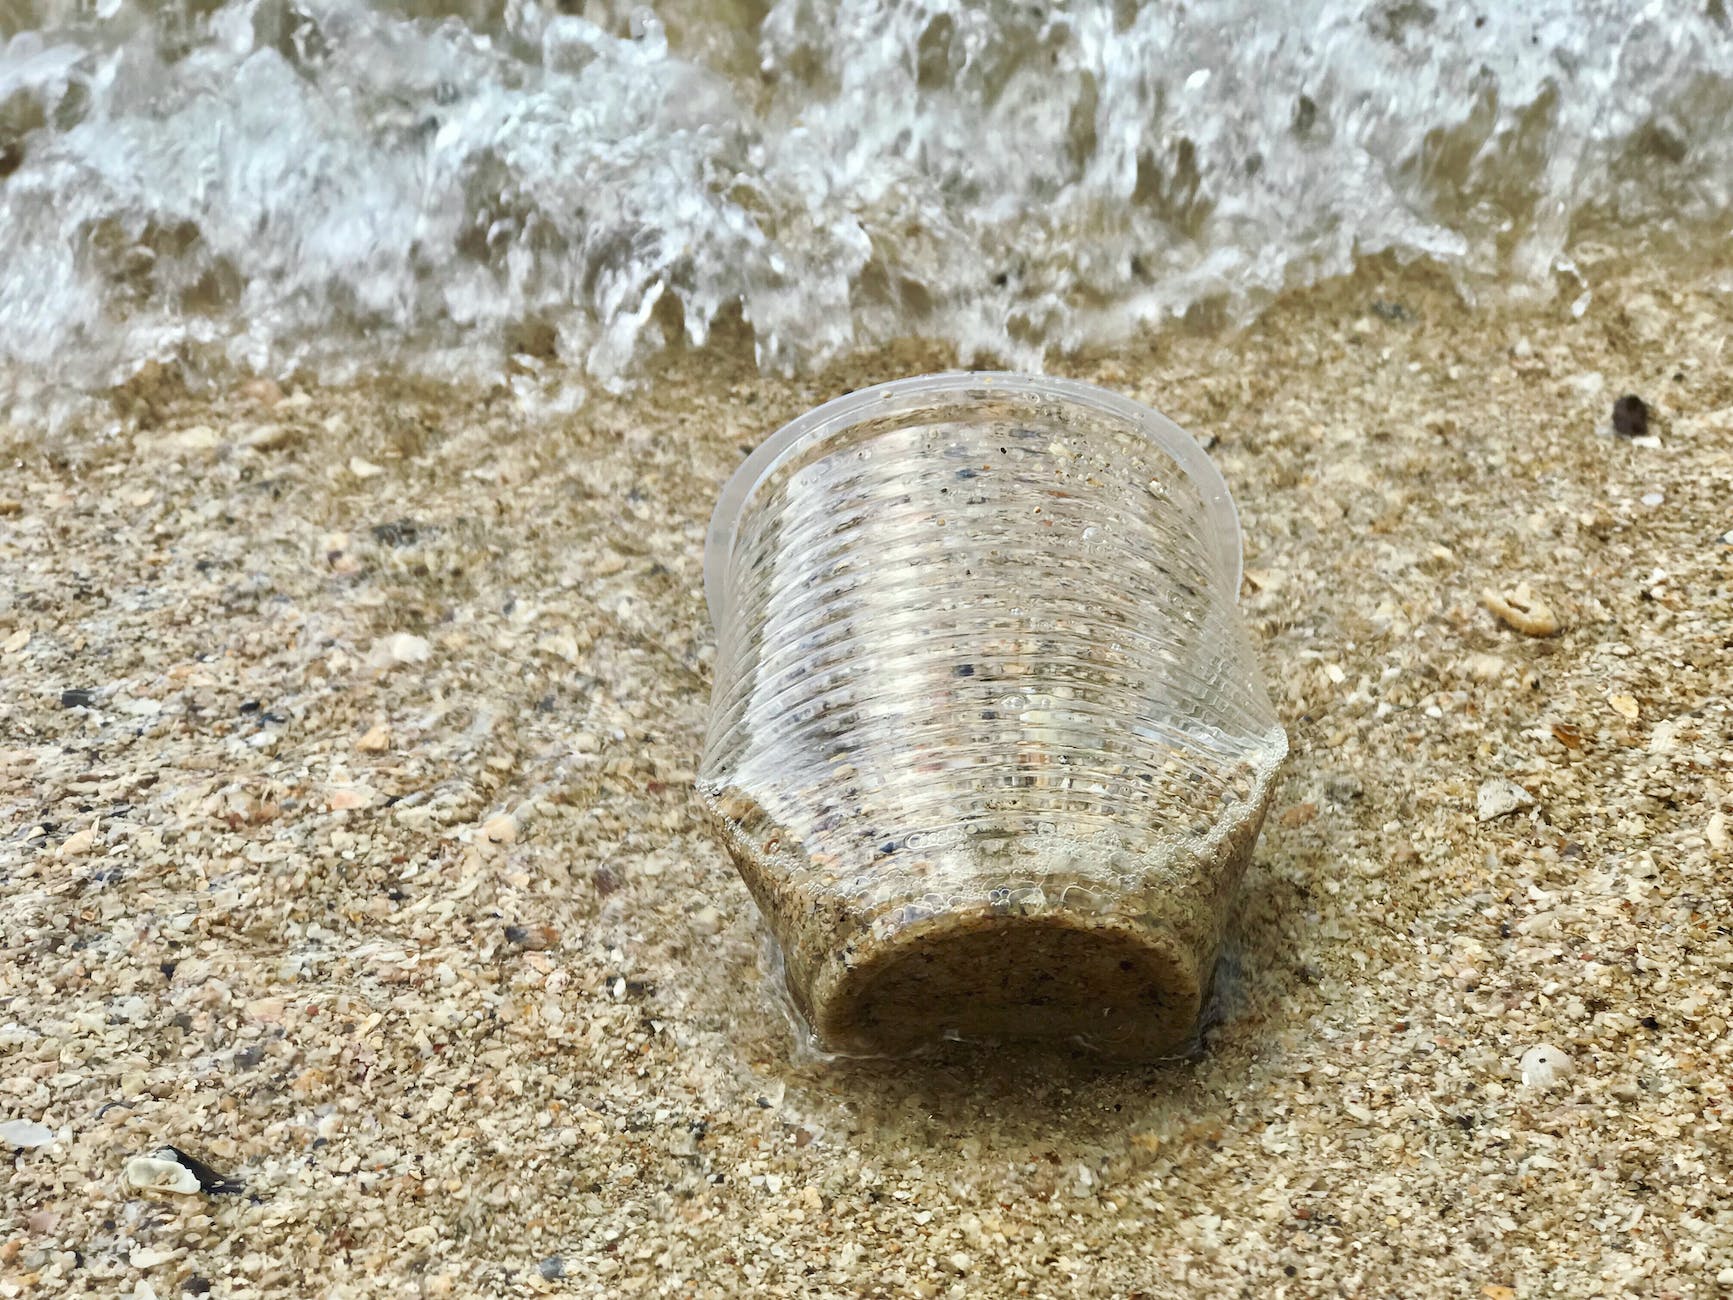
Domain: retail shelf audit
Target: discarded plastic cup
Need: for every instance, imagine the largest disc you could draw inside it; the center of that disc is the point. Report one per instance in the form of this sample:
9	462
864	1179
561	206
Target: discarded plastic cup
988	741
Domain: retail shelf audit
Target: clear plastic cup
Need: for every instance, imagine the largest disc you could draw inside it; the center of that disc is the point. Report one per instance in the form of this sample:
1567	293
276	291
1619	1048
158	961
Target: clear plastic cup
988	742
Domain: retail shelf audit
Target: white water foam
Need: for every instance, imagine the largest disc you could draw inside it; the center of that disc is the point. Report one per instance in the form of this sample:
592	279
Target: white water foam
434	185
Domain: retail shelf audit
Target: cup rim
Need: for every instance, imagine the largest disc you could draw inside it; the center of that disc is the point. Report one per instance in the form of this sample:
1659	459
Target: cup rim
843	412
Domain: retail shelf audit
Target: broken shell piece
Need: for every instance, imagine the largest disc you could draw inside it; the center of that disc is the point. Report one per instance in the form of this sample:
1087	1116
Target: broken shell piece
1522	610
152	1174
25	1134
1543	1066
397	649
1500	796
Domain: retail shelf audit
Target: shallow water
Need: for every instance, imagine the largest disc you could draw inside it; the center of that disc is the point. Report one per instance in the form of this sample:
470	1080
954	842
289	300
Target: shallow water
440	186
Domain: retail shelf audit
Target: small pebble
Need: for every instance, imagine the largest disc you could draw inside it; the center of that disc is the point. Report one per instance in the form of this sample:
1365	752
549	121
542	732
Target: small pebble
707	920
1498	797
9	507
16	642
500	829
552	1268
376	741
25	1134
1630	416
152	1174
364	468
75	699
1543	1066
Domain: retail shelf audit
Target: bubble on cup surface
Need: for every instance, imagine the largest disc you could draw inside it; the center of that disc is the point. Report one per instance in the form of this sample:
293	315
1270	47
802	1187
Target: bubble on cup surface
988	743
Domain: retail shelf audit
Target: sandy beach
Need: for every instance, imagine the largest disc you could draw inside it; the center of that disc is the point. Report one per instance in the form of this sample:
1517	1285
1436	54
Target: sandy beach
348	844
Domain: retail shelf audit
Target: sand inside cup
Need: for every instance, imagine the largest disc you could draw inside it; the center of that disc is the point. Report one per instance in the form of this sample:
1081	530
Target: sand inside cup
987	745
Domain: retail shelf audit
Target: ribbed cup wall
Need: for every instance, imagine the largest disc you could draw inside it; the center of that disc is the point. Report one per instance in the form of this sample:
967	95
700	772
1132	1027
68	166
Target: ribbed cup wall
985	716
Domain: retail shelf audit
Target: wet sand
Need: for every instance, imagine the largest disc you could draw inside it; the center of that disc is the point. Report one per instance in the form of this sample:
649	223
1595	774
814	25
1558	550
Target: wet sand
348	843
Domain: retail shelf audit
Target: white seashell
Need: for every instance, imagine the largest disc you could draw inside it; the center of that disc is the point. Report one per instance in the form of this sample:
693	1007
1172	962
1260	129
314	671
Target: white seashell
1543	1066
152	1174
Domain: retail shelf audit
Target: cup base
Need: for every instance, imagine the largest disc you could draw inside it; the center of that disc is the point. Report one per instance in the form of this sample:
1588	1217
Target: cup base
1122	988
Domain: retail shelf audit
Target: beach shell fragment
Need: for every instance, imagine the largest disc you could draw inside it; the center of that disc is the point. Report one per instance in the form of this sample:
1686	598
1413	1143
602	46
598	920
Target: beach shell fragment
23	1134
398	649
1500	796
154	1174
1522	611
1624	705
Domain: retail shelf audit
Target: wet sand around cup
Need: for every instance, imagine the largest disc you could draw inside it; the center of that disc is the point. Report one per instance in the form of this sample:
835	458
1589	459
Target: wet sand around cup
348	843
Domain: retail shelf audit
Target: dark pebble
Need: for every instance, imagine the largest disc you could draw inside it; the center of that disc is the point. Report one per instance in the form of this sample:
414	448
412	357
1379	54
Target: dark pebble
1630	416
75	699
606	880
1649	1022
399	532
196	1285
249	706
552	1267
